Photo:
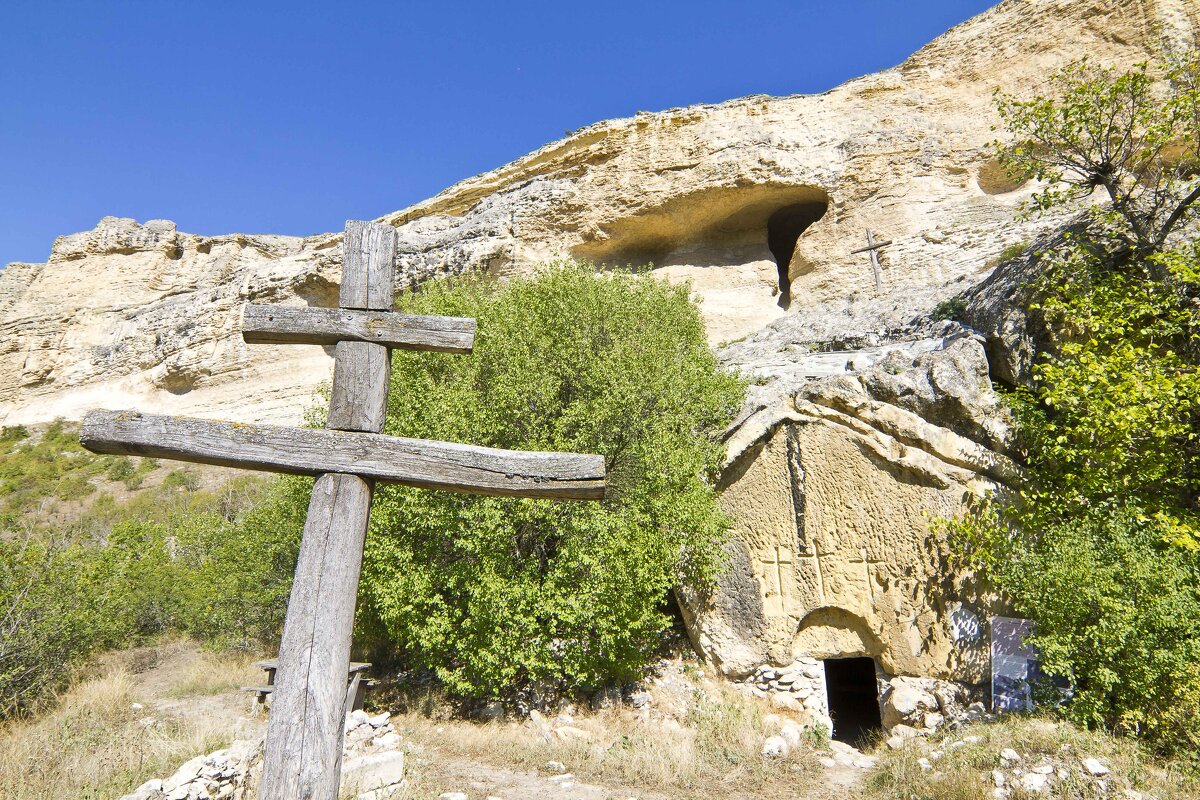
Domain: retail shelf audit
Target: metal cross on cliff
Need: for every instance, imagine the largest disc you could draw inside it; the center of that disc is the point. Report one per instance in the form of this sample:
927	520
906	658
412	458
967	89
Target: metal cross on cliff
873	248
304	735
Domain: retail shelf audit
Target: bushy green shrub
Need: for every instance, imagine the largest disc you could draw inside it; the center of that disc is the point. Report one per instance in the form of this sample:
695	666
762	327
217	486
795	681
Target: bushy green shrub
1117	609
500	593
1100	544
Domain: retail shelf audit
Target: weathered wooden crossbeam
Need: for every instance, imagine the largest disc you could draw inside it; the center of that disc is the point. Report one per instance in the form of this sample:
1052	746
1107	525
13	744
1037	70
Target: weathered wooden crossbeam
391	459
268	324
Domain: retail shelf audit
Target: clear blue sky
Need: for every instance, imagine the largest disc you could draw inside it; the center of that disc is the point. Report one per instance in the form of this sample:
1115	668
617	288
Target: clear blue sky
293	117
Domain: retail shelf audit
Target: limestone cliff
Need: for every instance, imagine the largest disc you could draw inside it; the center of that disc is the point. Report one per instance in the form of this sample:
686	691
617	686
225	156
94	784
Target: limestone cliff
758	201
868	418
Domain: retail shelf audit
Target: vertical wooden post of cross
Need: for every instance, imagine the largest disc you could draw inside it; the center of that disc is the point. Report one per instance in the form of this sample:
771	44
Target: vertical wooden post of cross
304	742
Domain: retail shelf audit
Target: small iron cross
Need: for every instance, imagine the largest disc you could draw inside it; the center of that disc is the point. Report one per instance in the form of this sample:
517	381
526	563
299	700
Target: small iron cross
873	248
304	734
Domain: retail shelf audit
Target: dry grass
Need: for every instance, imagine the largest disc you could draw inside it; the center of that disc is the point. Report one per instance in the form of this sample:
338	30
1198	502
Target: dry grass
964	773
209	674
95	744
713	752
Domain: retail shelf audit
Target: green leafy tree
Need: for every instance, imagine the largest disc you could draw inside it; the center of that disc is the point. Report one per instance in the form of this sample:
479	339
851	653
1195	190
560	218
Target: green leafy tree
1099	543
1135	134
496	594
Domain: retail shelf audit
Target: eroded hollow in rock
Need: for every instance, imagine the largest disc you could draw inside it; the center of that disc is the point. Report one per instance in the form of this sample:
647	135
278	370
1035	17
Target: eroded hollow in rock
783	231
853	698
715	227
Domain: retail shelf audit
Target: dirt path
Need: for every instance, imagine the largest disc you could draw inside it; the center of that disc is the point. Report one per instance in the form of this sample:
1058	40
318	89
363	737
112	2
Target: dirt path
435	772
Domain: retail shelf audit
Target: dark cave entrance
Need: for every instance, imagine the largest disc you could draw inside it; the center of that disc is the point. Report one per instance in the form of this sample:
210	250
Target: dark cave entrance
853	695
783	230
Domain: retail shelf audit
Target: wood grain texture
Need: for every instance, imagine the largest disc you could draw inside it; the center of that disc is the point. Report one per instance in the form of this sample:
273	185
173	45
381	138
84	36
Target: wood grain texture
413	462
270	324
368	266
304	738
361	376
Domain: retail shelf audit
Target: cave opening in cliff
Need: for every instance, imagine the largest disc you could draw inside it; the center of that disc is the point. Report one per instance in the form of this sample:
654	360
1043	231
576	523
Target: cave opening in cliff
853	695
783	231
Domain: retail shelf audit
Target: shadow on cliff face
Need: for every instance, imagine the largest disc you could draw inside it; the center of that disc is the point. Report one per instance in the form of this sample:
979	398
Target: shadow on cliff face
714	227
783	231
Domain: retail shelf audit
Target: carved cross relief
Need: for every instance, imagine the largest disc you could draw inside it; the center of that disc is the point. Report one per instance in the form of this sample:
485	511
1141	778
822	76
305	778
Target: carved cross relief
773	580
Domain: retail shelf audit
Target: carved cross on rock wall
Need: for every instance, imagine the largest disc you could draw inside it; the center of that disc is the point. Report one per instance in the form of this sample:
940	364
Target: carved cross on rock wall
304	734
777	573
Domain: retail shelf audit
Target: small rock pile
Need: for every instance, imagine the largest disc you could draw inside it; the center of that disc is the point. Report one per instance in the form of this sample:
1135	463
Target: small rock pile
372	767
221	774
372	761
792	734
1036	775
927	704
798	687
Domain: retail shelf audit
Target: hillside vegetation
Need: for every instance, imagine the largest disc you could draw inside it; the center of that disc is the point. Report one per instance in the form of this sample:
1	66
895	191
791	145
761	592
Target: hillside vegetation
82	571
1100	544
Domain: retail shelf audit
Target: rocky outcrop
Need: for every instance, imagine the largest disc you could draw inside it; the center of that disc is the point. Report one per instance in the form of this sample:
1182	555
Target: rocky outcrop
143	315
758	201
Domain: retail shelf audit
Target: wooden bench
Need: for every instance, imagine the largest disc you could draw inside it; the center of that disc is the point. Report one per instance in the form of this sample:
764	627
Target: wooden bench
356	683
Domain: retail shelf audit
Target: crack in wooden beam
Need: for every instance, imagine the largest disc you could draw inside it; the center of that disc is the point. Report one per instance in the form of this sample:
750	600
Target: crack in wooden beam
272	324
391	459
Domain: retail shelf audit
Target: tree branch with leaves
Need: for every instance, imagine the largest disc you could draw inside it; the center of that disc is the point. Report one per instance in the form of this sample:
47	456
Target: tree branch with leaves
1135	134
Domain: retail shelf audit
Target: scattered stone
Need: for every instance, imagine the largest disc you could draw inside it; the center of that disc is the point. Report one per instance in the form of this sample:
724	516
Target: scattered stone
452	796
791	733
555	766
1008	754
924	764
775	747
561	779
492	711
568	732
608	697
1034	782
997	778
826	762
389	740
896	742
1093	767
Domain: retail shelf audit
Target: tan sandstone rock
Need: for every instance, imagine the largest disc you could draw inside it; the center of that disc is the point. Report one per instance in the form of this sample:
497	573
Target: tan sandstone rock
144	315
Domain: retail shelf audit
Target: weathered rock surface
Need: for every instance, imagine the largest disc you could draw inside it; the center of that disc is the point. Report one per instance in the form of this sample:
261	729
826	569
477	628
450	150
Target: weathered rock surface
145	315
868	420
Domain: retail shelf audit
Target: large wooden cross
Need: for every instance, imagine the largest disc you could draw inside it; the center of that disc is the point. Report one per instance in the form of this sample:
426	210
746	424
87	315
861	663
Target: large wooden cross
304	734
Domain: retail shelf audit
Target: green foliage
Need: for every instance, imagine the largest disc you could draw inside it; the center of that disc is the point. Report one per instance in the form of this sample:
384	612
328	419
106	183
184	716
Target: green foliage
499	593
181	479
1136	134
216	565
1100	545
1011	251
1100	542
1111	419
951	308
1117	609
121	468
13	433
